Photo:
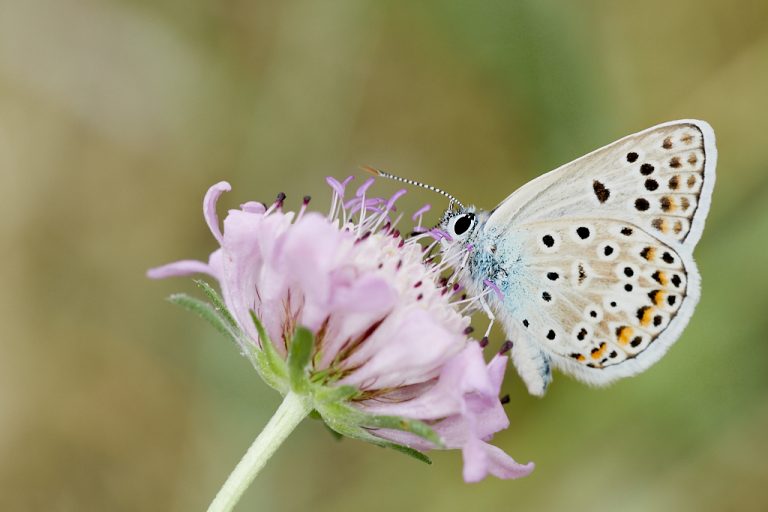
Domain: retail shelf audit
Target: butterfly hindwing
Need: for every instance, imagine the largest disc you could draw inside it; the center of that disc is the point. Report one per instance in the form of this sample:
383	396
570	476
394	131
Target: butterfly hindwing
604	281
605	300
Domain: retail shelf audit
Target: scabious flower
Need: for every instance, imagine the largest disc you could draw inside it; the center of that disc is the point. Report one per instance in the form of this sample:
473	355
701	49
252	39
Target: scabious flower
356	320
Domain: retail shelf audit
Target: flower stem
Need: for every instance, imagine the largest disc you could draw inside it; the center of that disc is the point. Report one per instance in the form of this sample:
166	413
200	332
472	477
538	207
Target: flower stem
290	413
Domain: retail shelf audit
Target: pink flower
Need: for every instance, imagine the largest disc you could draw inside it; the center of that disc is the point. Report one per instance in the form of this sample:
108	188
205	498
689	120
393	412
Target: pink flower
388	335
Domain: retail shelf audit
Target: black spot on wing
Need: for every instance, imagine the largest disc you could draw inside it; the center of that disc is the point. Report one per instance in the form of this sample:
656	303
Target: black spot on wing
642	204
601	192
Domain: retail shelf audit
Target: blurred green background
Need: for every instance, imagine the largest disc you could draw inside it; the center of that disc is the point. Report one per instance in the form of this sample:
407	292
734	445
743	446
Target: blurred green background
115	117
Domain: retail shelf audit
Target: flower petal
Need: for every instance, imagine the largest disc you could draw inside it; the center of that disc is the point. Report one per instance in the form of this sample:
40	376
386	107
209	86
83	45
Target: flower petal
249	243
209	207
408	347
354	308
481	458
179	268
463	374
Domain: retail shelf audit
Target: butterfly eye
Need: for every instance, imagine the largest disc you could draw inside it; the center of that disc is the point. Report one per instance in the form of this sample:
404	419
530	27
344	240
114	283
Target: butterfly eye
462	224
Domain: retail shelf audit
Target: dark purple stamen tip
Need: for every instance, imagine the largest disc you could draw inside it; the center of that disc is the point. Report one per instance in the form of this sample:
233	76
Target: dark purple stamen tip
456	287
418	283
420	296
464	296
363	237
505	347
402	243
281	197
484	342
469	330
399	264
504	400
307	199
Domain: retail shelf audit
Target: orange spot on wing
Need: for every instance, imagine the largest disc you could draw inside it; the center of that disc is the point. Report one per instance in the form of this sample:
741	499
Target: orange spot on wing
624	334
647	316
597	353
668	204
658	298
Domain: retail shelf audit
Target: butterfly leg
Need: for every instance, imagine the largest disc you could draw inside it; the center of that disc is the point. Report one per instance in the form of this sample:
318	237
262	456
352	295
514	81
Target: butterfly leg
533	365
490	315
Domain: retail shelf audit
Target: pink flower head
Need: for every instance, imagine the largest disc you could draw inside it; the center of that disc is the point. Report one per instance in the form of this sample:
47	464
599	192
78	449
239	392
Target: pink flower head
384	323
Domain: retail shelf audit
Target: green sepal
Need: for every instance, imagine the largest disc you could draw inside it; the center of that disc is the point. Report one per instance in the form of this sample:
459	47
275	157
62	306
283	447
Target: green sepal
416	427
334	434
273	367
218	303
416	454
343	429
268	363
299	354
207	312
336	394
350	421
331	402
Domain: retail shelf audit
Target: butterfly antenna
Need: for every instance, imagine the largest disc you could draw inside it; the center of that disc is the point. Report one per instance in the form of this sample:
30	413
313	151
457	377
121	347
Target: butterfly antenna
377	172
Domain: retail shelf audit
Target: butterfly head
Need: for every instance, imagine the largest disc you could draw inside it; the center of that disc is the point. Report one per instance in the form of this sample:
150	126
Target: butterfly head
458	221
459	224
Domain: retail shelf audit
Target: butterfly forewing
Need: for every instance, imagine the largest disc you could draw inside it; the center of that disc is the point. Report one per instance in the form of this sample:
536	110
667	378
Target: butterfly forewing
603	280
660	179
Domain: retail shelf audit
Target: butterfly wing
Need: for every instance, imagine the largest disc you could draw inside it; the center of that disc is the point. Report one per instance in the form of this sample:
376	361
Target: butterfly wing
603	280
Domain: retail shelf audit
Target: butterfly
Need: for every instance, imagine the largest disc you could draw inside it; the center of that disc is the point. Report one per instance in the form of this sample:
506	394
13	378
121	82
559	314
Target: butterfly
591	265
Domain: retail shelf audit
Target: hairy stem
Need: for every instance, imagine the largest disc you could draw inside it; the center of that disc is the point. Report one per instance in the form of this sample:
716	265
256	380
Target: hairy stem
290	413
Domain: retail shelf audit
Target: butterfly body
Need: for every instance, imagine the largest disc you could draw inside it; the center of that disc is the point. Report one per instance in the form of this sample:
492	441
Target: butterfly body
590	265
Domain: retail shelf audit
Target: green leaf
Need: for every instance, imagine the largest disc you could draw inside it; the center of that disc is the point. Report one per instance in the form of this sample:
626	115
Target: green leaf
206	312
299	354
